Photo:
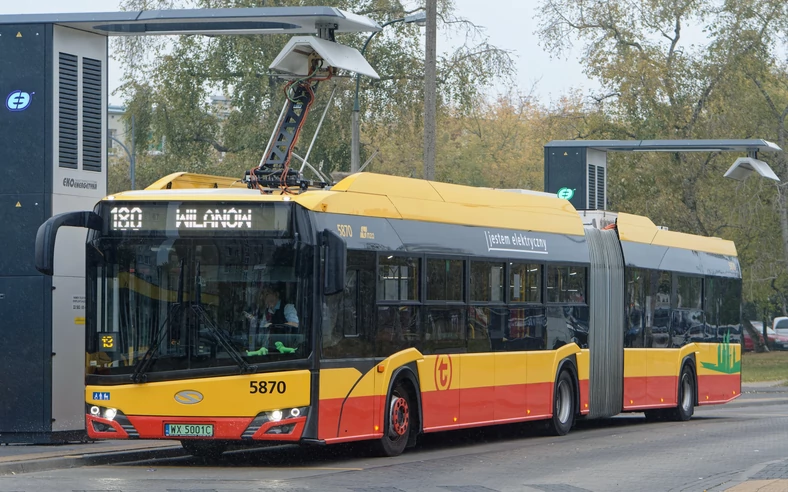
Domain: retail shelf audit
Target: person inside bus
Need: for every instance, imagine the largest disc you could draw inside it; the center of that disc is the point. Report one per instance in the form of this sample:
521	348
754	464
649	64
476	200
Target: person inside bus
273	310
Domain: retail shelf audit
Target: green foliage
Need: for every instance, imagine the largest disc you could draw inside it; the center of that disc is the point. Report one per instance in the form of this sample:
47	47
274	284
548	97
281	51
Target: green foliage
656	85
167	85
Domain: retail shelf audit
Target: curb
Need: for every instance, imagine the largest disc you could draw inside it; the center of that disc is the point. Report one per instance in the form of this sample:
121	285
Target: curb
95	459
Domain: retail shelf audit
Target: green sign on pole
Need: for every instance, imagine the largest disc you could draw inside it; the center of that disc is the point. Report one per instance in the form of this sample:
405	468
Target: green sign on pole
566	193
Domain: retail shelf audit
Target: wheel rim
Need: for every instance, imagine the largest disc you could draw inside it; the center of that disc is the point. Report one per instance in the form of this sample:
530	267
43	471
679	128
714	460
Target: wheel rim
686	394
563	401
399	417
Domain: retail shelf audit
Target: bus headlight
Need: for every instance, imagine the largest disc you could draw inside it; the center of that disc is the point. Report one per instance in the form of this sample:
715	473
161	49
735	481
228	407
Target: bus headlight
106	413
279	415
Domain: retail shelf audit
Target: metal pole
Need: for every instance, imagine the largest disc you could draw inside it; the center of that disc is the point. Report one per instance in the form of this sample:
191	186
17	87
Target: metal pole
317	131
369	160
429	89
355	134
128	152
319	174
132	159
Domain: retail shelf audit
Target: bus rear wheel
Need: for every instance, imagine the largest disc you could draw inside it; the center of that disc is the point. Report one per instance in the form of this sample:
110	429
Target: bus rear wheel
204	449
397	423
686	397
563	405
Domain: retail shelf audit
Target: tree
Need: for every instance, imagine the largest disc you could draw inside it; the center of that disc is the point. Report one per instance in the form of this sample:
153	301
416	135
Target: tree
657	85
493	143
168	85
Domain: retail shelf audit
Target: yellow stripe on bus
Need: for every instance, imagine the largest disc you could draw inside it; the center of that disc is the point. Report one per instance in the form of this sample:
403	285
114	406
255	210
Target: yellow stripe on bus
228	396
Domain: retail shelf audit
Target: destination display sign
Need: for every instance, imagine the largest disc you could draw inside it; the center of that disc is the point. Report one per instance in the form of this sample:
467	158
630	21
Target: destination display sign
196	217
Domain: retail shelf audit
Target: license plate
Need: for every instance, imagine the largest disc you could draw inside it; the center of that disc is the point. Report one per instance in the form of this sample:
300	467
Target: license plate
188	430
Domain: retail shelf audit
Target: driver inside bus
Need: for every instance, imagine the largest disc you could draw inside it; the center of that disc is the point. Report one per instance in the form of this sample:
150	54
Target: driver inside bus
274	311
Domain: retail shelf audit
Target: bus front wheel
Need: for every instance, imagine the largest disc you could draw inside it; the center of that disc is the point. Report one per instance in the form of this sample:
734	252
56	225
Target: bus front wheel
563	405
397	423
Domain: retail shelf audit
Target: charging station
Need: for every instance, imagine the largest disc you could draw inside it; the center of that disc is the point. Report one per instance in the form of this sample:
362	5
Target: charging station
53	88
576	170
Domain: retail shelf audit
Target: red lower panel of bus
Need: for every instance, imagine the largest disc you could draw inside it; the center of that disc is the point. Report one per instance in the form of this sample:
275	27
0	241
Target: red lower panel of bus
584	397
360	417
348	419
718	388
650	392
455	409
662	391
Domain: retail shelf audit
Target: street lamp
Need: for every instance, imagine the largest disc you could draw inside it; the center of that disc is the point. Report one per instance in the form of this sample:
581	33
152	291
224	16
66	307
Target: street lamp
132	170
419	18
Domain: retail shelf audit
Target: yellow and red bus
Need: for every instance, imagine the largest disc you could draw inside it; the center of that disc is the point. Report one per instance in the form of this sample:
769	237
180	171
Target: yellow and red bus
414	307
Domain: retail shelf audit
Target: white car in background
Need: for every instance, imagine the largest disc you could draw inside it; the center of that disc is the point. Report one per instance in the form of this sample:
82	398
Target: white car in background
780	331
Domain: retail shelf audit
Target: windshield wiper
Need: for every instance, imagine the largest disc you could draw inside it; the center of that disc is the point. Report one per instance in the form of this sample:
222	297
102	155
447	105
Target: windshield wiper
144	363
220	337
216	331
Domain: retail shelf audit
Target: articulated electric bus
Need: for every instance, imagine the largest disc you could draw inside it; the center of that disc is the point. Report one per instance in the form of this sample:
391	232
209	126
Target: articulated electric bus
384	307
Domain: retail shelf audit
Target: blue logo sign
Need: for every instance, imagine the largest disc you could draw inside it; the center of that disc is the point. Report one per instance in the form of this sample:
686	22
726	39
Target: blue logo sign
18	101
101	395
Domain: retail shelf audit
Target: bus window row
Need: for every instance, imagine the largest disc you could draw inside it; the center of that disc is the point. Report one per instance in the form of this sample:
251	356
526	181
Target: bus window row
453	305
446	280
668	309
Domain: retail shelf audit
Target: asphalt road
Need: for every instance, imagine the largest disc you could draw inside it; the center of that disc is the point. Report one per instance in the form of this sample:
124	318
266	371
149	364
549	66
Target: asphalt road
720	448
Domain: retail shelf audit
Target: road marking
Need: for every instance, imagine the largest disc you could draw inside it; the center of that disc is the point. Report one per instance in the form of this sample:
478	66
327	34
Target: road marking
760	486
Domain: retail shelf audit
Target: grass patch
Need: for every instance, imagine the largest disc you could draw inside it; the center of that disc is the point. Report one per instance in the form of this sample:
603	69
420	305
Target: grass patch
771	366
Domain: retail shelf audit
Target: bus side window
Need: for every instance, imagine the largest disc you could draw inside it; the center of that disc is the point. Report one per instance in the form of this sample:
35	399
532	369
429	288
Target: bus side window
398	298
445	320
348	316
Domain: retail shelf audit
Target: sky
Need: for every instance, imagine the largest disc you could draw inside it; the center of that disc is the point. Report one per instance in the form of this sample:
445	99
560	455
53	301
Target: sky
510	24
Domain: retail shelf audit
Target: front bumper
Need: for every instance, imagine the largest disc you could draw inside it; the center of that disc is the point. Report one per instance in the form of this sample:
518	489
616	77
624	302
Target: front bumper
260	428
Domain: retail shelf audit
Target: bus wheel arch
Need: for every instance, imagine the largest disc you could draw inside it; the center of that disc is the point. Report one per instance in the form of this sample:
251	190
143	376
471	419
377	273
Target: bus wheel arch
565	399
689	360
687	382
569	364
403	403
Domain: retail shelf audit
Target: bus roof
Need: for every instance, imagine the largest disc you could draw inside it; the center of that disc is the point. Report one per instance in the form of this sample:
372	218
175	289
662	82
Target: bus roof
638	229
395	197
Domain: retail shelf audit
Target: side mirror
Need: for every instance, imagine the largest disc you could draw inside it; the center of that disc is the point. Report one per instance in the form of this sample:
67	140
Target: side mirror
336	262
47	233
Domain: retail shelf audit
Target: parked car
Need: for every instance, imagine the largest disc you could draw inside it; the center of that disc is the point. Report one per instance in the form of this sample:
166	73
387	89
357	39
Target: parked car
780	325
748	345
780	332
777	340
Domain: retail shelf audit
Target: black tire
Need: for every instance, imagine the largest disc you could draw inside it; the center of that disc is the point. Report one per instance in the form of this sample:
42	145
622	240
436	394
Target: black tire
397	422
204	449
563	405
685	406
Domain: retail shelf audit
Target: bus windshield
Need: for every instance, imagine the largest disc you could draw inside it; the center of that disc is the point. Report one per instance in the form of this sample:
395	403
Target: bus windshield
181	303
